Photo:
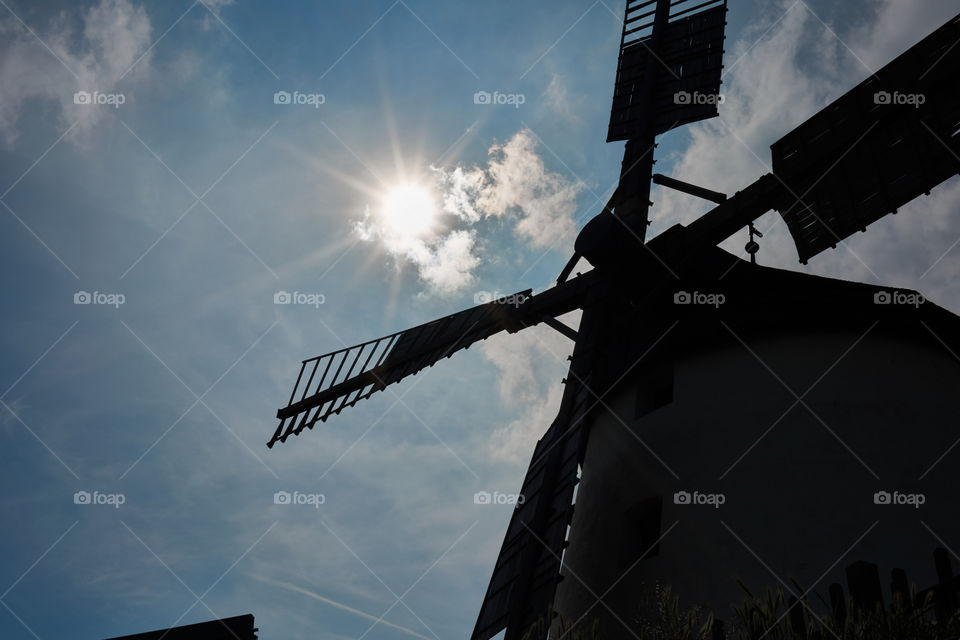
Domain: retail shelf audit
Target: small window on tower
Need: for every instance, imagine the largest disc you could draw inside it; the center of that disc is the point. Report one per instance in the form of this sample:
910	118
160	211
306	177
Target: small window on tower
654	389
641	532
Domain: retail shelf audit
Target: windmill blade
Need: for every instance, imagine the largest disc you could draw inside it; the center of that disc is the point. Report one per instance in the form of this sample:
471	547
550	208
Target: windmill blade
329	383
668	75
349	375
681	80
526	572
876	148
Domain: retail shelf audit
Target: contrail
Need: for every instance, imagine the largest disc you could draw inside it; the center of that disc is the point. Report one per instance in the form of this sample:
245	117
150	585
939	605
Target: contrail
339	605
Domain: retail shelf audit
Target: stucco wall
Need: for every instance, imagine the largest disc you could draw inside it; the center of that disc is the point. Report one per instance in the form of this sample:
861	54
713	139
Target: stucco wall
799	500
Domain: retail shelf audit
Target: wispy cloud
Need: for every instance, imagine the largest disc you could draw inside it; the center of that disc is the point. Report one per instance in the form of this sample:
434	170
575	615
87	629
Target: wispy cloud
341	606
70	56
530	365
558	99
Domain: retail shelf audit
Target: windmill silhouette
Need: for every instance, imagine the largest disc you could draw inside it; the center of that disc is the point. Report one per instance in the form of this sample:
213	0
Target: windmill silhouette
862	157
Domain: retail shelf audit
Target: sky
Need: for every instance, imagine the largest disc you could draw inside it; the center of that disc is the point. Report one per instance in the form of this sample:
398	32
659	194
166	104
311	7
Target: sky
172	172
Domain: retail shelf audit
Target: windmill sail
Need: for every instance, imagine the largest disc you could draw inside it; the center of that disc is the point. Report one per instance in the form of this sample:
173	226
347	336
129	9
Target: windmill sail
683	77
527	570
329	383
668	74
890	139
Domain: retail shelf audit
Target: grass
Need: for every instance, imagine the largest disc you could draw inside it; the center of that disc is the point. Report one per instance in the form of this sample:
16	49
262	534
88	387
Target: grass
660	616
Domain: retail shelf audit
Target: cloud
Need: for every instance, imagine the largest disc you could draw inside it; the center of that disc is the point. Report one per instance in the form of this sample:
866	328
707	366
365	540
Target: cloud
342	607
215	5
530	365
515	441
557	98
210	17
444	262
449	266
896	27
65	60
10	412
461	192
766	93
515	184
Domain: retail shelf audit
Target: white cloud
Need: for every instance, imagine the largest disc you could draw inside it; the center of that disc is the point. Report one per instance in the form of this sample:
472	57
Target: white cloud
514	442
114	35
9	415
215	5
450	265
209	21
896	27
766	94
444	262
518	182
515	184
558	100
530	364
461	190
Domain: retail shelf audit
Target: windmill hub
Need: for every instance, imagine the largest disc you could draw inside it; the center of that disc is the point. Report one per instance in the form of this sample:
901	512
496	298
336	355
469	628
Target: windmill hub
605	240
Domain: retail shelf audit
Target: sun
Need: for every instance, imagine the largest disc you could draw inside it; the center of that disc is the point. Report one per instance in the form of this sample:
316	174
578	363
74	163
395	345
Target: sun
408	209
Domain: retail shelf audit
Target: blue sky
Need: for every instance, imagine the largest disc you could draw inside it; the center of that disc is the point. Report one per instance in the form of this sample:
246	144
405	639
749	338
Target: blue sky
199	198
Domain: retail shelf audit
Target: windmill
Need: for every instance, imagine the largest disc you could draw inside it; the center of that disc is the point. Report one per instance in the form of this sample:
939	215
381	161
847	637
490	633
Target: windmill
857	160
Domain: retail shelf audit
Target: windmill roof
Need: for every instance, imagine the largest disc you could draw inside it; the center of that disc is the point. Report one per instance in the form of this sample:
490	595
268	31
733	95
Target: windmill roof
718	294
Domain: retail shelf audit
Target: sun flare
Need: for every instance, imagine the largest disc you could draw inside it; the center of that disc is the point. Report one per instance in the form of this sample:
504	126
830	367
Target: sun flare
408	210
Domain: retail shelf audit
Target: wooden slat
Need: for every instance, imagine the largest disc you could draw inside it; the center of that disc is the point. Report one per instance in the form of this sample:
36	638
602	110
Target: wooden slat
856	160
690	59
